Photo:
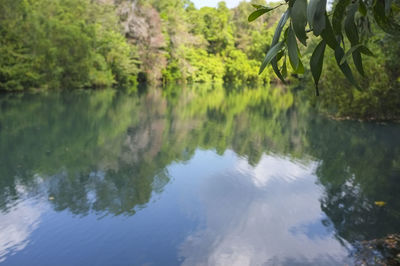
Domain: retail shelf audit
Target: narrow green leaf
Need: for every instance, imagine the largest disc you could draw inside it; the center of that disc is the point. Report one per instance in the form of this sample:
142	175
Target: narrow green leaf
364	50
338	16
360	48
279	28
280	55
350	26
259	12
316	63
284	69
277	46
291	43
298	14
270	55
352	34
358	62
349	53
339	53
328	34
315	15
274	64
300	69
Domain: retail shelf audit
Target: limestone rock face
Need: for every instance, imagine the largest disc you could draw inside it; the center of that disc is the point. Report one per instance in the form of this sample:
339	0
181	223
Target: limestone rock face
142	27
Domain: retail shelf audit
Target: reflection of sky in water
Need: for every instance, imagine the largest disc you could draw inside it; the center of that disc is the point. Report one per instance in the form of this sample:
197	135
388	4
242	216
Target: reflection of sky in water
270	213
217	210
16	226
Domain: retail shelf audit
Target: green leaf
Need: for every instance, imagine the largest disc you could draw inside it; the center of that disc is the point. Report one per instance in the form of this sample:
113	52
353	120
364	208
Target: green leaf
298	14
350	26
358	62
338	16
315	15
277	46
364	50
274	64
280	55
316	63
356	51
291	43
270	55
352	34
339	53
328	34
349	53
387	24
284	69
359	47
253	16
279	28
300	69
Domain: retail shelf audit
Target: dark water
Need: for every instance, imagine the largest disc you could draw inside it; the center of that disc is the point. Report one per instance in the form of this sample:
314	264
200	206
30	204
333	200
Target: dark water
192	177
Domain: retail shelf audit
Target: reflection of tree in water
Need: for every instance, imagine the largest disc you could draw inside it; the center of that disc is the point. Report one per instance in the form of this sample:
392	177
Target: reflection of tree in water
359	165
81	147
108	153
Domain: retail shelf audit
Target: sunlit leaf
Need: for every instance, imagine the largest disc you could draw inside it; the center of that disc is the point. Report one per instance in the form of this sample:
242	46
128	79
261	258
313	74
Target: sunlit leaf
300	68
380	203
259	12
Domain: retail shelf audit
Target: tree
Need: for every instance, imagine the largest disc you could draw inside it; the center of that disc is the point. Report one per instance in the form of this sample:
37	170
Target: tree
349	20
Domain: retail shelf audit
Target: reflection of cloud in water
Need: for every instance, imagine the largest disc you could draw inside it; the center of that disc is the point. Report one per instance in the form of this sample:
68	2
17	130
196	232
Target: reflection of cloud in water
16	226
272	167
260	218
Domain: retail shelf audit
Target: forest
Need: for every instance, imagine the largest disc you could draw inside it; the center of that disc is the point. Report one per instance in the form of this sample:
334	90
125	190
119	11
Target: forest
70	44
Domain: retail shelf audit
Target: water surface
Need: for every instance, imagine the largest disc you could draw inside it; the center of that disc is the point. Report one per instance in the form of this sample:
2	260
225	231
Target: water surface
190	177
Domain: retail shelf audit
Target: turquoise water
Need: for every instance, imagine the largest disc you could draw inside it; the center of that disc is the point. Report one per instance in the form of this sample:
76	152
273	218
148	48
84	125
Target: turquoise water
190	177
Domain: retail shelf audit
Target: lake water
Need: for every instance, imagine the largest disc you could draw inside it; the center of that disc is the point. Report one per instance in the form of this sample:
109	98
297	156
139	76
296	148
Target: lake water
190	177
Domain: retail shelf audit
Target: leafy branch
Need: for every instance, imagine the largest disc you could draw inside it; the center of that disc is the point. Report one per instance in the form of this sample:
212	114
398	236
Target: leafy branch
332	29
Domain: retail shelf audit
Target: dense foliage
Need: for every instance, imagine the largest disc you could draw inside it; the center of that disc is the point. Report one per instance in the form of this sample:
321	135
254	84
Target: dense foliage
71	44
82	43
